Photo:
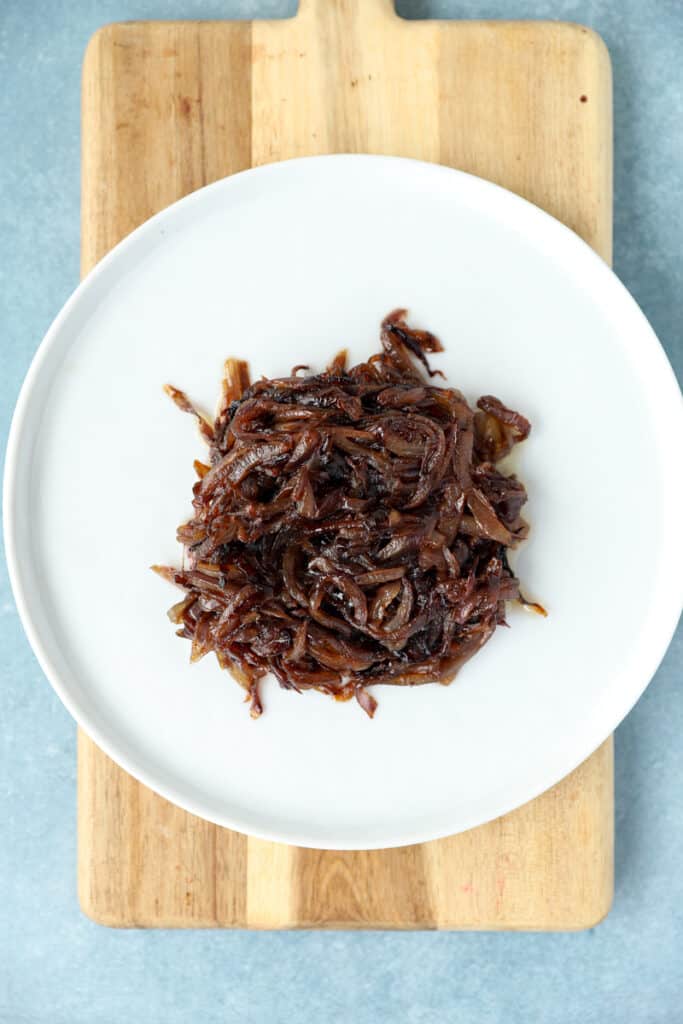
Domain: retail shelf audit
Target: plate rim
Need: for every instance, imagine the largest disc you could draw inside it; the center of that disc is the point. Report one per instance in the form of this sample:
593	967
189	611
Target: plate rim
522	794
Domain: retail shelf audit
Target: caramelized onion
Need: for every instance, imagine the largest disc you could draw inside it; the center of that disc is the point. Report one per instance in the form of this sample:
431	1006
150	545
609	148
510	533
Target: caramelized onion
351	528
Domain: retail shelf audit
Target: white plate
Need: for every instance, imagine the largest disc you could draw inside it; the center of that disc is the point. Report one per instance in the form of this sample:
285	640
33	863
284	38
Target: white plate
283	265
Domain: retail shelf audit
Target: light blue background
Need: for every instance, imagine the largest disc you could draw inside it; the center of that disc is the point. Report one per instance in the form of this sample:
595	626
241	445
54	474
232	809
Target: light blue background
58	967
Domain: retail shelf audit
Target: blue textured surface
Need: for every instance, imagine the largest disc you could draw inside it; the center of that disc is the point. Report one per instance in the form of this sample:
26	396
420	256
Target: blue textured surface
57	966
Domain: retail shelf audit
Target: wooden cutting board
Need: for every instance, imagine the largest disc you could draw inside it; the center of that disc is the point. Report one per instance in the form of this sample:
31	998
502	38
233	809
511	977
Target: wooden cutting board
169	107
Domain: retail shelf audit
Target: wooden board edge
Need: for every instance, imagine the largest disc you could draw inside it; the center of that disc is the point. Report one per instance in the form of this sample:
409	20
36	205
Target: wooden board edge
87	895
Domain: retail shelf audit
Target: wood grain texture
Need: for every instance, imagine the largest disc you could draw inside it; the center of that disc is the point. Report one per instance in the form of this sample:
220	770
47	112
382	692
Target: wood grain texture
169	107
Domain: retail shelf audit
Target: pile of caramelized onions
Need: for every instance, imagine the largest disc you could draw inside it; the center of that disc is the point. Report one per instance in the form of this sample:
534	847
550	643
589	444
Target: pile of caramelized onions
351	527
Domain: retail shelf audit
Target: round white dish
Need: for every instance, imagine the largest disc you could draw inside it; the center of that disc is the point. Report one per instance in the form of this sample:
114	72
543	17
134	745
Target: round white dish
285	264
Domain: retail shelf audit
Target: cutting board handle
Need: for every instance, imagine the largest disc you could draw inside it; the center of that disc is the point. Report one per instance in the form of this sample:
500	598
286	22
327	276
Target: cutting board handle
365	10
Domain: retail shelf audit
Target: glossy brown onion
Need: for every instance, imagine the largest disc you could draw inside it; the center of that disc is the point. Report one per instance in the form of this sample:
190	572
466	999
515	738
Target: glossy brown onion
352	527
